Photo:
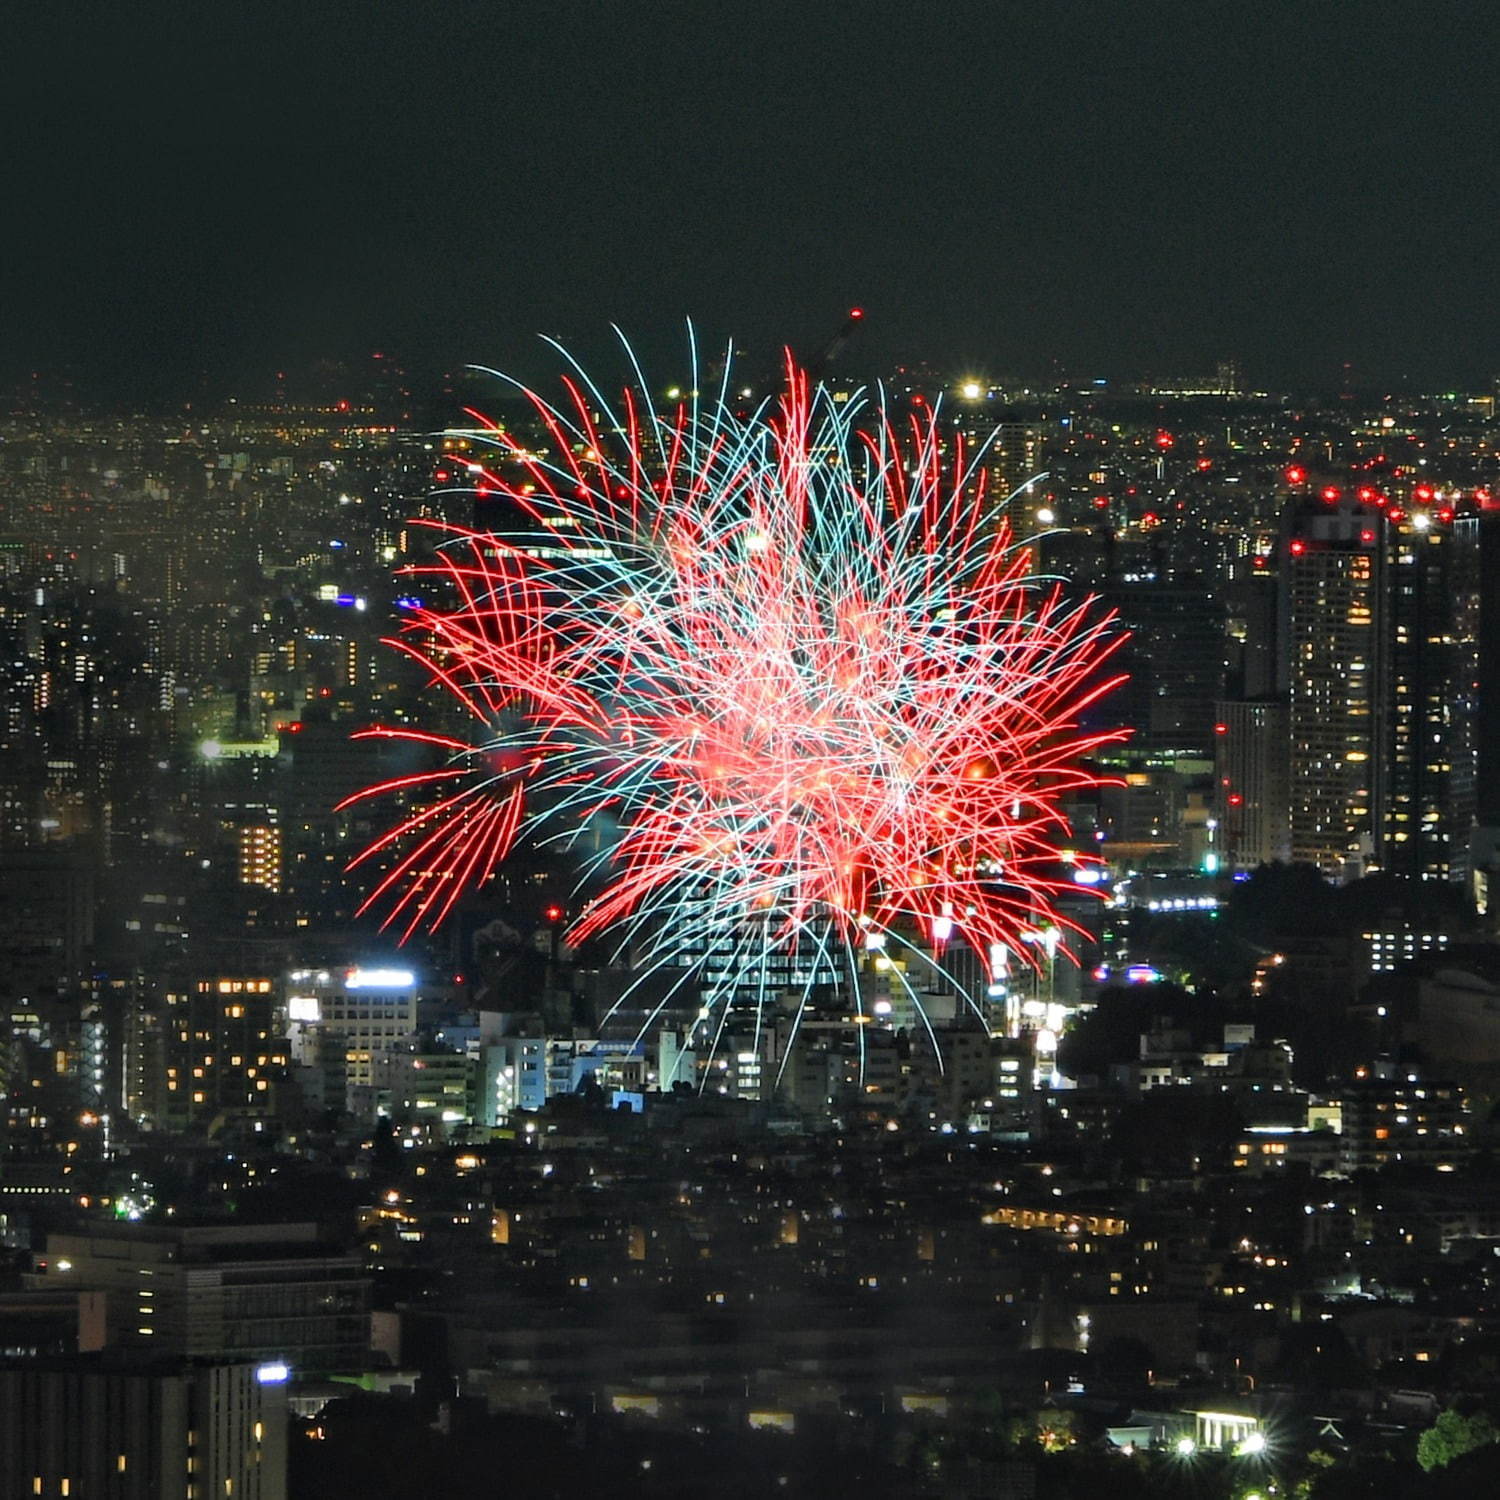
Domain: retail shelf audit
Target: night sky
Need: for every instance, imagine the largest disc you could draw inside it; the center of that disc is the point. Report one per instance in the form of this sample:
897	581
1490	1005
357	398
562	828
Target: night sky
1092	189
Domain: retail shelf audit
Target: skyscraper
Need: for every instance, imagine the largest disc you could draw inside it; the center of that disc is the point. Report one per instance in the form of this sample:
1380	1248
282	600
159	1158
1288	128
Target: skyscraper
1426	724
1330	630
1392	688
1475	784
1251	783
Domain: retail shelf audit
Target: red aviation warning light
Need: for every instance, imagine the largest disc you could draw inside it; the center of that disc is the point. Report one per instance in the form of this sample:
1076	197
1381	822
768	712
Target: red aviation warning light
1331	493
1298	547
1296	474
1165	440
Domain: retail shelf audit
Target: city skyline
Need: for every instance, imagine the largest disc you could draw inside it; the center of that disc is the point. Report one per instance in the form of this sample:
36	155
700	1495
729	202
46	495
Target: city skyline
916	911
494	1164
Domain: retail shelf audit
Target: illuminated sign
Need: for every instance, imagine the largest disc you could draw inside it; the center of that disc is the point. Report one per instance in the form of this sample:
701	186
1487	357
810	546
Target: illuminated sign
379	979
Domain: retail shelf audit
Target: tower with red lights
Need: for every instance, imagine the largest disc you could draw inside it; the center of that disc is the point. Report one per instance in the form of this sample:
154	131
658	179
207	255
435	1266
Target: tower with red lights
1386	595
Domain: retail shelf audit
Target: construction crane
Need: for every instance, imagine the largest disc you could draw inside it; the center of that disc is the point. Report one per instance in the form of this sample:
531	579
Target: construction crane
815	368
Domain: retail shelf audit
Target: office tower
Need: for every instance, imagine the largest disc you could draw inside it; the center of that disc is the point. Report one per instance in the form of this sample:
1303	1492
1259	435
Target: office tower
1251	627
1251	784
318	765
369	1013
107	1428
1330	632
143	1067
1176	660
755	965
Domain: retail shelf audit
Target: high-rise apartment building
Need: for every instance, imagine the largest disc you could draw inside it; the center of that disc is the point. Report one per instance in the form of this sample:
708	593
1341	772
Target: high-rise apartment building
223	1053
1384	610
1331	637
1425	720
1476	681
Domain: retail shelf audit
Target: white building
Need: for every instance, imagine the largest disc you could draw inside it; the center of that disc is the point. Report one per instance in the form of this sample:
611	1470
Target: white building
372	1011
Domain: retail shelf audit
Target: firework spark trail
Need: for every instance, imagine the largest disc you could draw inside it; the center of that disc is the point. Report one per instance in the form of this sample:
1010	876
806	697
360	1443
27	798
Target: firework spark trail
789	655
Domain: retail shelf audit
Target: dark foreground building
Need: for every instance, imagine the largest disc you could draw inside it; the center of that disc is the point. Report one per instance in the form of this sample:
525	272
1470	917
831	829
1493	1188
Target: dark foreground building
101	1427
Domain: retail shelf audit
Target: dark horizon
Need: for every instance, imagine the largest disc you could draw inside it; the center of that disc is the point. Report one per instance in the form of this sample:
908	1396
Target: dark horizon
1107	190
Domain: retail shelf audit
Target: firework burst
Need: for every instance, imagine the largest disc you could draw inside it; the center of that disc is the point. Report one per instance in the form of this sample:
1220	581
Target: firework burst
791	660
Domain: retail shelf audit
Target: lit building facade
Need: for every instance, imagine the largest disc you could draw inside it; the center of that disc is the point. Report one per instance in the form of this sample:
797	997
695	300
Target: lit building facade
1331	615
1426	804
223	1054
370	1012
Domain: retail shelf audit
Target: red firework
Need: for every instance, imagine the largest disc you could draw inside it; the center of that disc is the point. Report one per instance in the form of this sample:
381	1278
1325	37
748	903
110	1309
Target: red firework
793	663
